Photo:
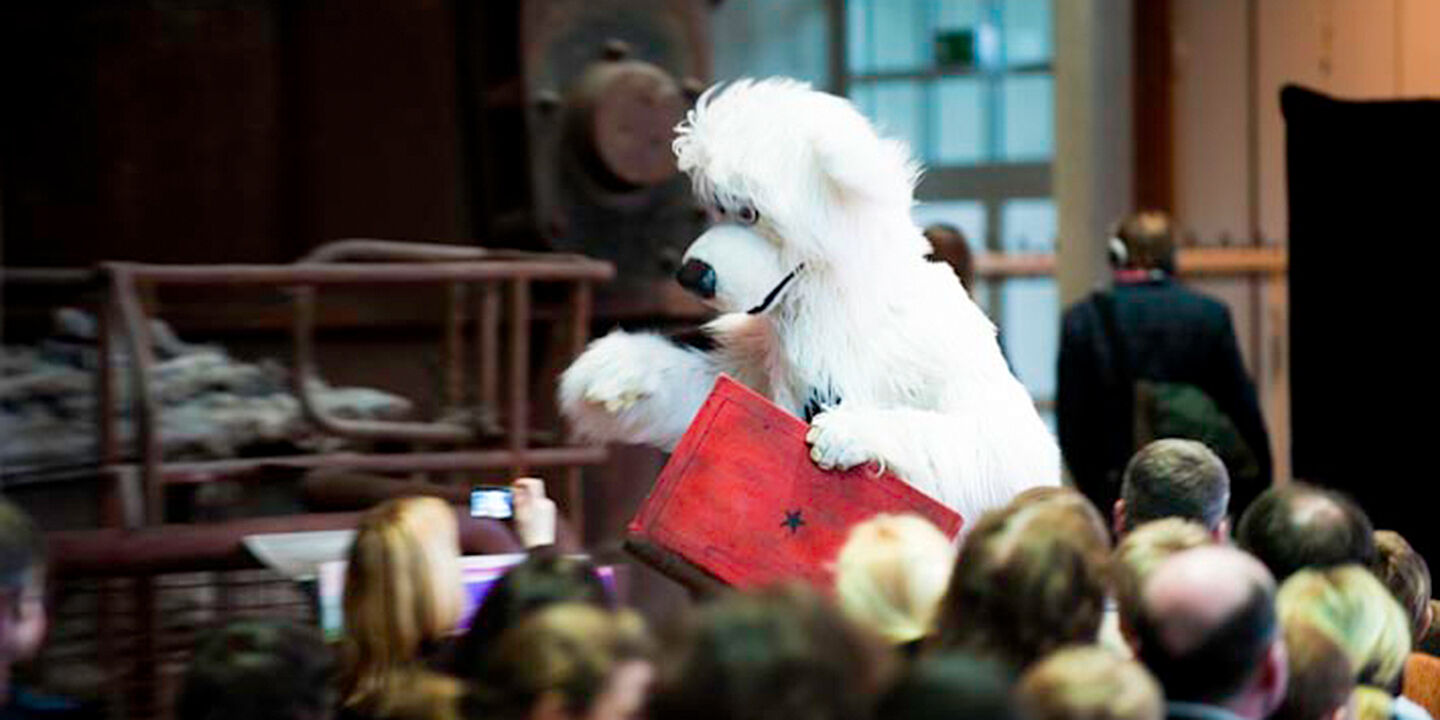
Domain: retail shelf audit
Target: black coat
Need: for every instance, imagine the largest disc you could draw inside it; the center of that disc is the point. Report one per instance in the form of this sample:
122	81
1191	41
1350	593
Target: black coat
1172	334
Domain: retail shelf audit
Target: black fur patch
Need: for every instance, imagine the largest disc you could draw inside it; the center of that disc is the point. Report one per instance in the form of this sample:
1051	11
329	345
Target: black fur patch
818	402
695	337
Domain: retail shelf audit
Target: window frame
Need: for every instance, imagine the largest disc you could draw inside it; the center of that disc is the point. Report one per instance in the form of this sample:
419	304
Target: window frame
993	182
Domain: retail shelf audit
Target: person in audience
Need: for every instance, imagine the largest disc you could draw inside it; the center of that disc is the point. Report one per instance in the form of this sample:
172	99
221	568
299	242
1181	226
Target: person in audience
259	670
1371	703
1207	631
543	579
569	661
1356	611
1320	679
1081	511
1141	551
948	243
950	686
1174	478
22	592
23	619
777	654
1087	682
1030	578
1429	643
1297	526
536	517
1406	574
1151	328
890	576
403	599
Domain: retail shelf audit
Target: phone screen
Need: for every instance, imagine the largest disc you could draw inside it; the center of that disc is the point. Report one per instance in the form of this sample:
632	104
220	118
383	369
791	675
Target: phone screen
492	502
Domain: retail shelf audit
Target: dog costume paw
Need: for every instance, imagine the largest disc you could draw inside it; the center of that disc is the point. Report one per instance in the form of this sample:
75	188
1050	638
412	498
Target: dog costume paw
839	440
614	374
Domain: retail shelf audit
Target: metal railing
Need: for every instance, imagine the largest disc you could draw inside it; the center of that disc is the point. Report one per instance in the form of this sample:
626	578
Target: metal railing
112	581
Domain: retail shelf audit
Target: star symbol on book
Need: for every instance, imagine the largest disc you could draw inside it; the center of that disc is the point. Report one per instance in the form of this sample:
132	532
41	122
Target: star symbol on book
792	520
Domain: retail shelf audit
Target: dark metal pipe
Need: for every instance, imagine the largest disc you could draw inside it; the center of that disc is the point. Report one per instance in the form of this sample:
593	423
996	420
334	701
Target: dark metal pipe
199	472
304	373
519	420
363	249
112	552
576	268
147	433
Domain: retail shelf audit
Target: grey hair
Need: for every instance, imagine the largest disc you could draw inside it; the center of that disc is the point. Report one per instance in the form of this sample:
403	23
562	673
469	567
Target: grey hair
1175	478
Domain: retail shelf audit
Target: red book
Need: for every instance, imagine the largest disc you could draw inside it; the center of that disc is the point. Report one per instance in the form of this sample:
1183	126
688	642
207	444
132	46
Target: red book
740	503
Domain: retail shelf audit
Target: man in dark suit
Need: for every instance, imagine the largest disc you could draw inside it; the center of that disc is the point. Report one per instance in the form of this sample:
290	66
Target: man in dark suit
1149	328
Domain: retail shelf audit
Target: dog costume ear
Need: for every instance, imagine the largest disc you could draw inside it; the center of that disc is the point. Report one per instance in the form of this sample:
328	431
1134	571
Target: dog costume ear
878	170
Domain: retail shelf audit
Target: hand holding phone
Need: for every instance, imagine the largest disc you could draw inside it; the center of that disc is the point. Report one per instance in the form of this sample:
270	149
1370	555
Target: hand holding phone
535	514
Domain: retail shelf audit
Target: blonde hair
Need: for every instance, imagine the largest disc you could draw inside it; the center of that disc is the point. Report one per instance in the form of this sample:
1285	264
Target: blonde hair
1089	682
1141	551
403	592
1351	606
891	575
1372	703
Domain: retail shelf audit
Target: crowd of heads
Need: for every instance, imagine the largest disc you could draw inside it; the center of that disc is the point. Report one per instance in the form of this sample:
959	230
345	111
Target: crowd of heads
1043	610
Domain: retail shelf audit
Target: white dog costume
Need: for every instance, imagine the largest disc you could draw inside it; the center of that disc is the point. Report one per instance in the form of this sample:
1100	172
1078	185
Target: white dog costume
829	308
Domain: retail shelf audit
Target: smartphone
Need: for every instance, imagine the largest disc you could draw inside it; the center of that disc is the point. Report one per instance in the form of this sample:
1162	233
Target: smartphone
492	501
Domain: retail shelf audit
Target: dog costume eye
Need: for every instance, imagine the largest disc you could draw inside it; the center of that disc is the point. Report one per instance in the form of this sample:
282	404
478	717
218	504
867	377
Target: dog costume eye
747	215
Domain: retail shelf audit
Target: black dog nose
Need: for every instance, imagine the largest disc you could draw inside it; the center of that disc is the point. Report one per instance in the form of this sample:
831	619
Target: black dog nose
698	277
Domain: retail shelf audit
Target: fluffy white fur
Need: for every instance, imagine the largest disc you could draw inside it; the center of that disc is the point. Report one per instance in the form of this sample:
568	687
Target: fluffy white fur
904	364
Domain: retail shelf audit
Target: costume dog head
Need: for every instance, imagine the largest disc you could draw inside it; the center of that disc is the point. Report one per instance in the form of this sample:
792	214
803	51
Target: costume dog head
798	184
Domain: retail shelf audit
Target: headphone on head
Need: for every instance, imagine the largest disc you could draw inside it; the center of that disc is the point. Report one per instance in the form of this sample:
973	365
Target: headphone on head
1117	252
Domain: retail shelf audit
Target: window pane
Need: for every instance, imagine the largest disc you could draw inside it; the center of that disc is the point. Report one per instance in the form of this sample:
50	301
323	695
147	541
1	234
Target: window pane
857	36
772	37
895	108
1029	118
1030	331
862	95
958	15
957	121
1027	34
1027	225
968	215
900	38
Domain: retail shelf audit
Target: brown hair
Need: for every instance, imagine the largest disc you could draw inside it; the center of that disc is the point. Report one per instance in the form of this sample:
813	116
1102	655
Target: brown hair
948	243
1089	682
402	594
1319	679
783	653
1030	578
569	649
1140	552
1407	576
